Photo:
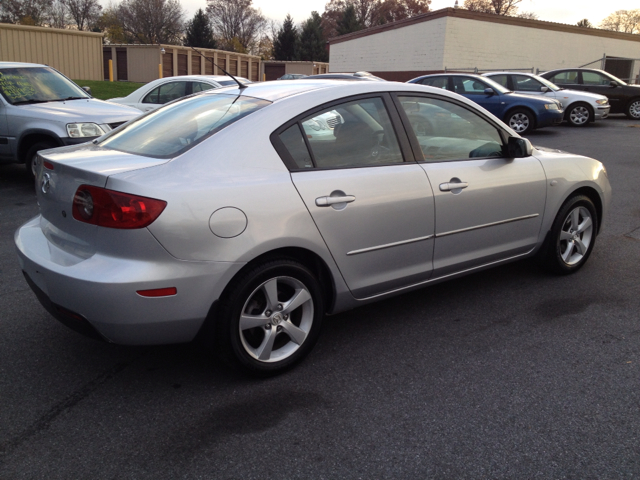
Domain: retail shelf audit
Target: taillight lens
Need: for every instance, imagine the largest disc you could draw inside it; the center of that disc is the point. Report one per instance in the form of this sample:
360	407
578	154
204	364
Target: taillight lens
108	208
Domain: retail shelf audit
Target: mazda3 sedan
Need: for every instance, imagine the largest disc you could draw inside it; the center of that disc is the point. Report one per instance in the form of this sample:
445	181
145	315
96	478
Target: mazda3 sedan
242	216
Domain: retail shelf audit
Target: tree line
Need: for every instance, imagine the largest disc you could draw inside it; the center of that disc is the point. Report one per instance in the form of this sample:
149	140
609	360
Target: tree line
236	25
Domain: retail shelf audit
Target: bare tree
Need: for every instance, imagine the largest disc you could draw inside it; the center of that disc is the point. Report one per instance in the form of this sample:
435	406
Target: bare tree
151	21
627	21
498	7
236	23
85	13
528	15
58	14
585	23
26	12
369	13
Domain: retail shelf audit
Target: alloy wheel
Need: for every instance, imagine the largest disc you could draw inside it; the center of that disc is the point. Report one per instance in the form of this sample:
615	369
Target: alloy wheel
519	122
634	109
576	235
276	319
579	115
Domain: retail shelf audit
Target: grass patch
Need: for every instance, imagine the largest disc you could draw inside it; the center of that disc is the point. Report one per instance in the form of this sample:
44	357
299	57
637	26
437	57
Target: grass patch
105	90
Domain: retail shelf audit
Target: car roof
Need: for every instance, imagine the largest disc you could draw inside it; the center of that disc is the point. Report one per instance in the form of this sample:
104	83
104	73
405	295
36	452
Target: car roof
487	74
20	65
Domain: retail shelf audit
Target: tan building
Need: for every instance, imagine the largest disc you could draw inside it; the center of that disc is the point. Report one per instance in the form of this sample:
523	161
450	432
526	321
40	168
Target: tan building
457	39
274	69
76	54
144	63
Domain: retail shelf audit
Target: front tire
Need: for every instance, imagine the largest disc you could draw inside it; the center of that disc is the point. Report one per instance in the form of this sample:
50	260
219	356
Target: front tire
633	109
32	155
572	236
520	120
579	115
270	318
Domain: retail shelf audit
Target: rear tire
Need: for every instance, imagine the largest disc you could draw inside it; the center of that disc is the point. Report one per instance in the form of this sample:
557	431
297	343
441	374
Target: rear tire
269	318
520	120
572	237
32	155
579	115
633	109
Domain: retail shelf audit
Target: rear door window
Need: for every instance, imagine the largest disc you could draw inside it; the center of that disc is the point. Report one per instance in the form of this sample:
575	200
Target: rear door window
565	78
438	82
523	83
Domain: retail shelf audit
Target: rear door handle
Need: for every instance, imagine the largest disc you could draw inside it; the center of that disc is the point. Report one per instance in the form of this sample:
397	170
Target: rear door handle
448	186
328	201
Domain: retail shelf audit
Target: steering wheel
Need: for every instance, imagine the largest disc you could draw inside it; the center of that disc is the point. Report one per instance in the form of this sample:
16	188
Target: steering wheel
421	126
378	150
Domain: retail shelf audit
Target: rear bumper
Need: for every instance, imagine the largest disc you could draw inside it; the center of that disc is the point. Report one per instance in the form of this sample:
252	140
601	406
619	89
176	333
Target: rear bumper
97	295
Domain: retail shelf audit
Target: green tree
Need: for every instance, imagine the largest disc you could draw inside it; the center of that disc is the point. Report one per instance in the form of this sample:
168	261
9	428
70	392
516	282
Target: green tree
312	43
199	33
285	43
349	22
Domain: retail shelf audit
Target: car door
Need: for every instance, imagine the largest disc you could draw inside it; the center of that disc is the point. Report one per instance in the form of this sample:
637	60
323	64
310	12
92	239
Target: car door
5	142
488	207
371	202
474	89
596	82
164	93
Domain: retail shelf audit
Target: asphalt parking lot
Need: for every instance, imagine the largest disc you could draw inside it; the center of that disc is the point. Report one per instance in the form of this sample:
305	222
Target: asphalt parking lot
508	373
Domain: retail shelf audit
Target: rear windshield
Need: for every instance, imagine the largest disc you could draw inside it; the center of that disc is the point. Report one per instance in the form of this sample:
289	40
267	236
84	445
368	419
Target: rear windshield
177	127
25	85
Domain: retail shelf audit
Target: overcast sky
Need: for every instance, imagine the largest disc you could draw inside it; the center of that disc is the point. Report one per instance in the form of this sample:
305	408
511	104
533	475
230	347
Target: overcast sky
562	11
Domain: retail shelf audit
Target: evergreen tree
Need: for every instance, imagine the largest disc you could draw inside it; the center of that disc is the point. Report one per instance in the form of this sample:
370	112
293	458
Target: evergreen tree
349	21
286	41
311	44
199	33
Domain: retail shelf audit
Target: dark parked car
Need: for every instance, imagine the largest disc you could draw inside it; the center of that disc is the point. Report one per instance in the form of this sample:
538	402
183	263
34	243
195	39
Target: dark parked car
623	98
292	76
346	76
522	113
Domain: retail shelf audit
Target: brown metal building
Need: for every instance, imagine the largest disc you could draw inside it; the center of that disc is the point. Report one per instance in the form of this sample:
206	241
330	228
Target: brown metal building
143	63
274	69
76	54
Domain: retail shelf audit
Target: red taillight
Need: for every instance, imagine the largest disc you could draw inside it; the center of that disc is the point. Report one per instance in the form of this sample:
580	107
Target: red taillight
158	292
108	208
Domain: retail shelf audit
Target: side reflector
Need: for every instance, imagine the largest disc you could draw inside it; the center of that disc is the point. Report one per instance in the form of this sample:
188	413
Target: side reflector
48	165
158	292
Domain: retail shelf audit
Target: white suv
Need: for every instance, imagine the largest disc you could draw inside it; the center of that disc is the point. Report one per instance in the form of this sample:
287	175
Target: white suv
580	107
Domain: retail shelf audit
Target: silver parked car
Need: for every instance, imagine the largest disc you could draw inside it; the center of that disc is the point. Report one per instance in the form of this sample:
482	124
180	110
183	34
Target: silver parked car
580	108
40	108
164	90
224	214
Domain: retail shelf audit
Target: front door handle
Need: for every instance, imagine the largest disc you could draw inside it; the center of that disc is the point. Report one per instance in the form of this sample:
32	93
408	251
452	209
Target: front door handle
328	201
450	186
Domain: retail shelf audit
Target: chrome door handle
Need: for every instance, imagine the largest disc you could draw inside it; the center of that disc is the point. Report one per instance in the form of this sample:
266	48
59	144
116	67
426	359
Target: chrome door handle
328	201
448	186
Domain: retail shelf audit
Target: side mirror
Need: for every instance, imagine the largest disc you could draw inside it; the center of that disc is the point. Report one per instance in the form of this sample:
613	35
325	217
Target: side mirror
489	91
519	147
613	83
544	89
87	89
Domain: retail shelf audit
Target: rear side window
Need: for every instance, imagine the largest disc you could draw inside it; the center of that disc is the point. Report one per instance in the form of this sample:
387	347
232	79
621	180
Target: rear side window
522	83
501	79
293	140
438	82
564	78
174	129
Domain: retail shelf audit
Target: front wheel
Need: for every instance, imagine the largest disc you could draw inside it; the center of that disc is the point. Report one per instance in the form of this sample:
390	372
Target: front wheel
572	236
520	120
32	155
633	109
270	318
579	115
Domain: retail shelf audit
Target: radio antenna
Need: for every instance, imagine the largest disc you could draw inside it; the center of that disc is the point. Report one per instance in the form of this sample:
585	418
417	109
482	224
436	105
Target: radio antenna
240	85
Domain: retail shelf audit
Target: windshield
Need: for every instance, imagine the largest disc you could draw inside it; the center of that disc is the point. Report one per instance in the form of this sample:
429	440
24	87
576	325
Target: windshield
495	85
547	83
25	85
178	126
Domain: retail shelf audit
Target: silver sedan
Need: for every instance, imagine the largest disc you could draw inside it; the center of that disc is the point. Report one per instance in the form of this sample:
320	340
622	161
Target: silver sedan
242	216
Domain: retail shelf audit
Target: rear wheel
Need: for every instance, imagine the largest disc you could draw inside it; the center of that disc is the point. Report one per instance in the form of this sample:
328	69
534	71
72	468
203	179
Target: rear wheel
579	114
572	236
520	120
633	109
270	318
32	155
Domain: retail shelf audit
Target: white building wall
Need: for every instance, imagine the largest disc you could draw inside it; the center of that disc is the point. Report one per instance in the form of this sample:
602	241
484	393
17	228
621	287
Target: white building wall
414	47
488	45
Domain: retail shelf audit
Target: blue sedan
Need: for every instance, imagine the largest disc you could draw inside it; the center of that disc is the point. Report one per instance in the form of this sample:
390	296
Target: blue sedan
522	113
